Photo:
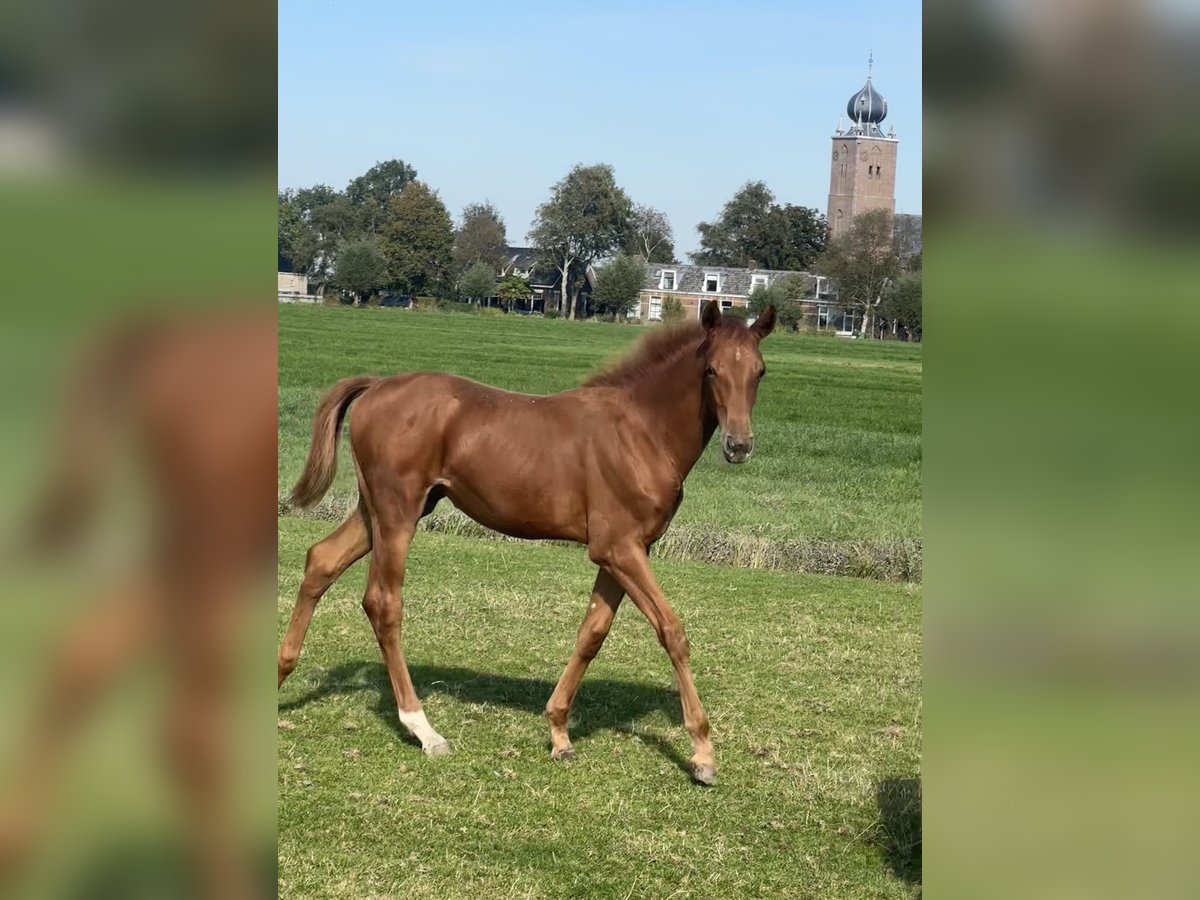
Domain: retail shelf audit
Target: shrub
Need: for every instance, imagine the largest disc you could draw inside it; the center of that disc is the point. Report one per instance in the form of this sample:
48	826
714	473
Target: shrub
788	315
672	310
551	312
737	312
618	284
492	311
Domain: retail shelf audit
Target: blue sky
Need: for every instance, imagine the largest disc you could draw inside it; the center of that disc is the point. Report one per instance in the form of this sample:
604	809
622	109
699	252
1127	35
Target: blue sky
687	101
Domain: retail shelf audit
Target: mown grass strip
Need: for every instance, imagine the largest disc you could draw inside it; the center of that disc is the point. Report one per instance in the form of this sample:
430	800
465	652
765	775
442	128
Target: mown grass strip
896	560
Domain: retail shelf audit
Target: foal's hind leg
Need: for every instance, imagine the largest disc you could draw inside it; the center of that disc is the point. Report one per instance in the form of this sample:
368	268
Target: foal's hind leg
384	606
606	597
327	560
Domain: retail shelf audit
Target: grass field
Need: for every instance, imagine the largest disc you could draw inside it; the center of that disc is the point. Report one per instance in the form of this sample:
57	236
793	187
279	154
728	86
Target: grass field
835	483
812	683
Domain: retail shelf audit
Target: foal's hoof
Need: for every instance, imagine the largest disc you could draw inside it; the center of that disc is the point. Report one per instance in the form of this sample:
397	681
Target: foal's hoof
440	749
567	752
704	774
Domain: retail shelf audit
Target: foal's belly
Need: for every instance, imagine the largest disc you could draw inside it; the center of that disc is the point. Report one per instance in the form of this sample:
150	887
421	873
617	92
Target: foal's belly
525	495
524	514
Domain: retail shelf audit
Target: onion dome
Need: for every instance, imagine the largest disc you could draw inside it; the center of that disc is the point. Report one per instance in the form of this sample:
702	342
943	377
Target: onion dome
867	106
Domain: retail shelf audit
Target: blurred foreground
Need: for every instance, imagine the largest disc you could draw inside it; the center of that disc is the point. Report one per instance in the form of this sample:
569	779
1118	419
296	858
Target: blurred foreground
1062	626
137	399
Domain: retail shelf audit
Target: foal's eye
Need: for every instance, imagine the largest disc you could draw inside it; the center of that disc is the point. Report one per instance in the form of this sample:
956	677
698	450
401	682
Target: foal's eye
761	373
710	371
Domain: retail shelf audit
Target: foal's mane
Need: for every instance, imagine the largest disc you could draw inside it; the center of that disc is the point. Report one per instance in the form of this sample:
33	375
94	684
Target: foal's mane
658	349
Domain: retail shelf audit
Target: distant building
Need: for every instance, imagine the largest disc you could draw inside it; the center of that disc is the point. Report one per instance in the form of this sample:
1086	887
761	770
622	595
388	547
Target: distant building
293	288
863	172
525	262
693	286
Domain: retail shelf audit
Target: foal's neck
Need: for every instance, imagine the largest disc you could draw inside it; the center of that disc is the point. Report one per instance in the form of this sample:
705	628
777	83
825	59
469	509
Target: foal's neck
674	397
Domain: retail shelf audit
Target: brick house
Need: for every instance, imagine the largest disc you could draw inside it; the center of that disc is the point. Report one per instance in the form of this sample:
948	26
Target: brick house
693	286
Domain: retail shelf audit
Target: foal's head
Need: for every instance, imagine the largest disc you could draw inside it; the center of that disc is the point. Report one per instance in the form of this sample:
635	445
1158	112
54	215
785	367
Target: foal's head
734	367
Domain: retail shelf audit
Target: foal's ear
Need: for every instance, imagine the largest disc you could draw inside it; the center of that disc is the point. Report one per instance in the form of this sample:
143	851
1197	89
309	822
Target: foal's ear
764	324
711	317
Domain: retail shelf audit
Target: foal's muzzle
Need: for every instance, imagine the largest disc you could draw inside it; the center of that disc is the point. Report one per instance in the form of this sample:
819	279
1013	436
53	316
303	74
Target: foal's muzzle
737	448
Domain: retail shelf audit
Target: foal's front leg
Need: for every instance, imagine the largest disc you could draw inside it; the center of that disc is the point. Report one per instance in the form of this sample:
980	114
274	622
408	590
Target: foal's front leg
384	606
606	597
630	566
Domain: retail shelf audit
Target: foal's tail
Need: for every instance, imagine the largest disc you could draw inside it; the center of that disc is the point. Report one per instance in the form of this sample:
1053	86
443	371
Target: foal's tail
322	455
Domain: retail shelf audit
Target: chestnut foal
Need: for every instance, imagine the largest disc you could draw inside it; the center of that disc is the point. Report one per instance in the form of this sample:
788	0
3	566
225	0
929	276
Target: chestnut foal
603	465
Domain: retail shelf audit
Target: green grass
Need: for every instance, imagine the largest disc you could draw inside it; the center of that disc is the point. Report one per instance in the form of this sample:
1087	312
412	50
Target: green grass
812	685
835	484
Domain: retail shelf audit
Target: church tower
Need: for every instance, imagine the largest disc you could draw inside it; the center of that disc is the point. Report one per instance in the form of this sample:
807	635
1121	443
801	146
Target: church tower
863	175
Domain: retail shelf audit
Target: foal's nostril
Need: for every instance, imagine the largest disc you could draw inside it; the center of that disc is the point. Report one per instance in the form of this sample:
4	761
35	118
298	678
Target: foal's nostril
738	447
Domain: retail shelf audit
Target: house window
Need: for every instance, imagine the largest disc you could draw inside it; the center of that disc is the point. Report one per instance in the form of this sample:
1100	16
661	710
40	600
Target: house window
634	311
822	317
712	282
757	281
667	281
726	306
655	309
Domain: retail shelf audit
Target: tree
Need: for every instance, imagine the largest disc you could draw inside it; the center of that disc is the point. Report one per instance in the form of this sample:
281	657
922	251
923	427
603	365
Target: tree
480	238
291	224
861	262
361	269
783	293
618	284
513	289
672	311
300	240
648	234
478	282
582	221
902	303
730	240
796	236
329	226
754	231
908	240
417	240
371	192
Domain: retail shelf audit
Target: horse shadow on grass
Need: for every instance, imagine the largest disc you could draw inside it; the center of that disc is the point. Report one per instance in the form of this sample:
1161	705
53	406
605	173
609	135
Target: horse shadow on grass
898	834
601	704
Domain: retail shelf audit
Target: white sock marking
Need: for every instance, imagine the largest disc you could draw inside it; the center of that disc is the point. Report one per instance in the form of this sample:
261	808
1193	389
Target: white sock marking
419	727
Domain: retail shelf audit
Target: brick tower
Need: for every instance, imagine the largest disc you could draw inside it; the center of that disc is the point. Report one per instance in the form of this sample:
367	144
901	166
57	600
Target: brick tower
863	173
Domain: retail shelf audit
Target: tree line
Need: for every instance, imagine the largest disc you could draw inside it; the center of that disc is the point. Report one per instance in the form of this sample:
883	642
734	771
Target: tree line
387	230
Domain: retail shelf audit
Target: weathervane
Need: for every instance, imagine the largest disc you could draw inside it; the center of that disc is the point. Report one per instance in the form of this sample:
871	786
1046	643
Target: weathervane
870	62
